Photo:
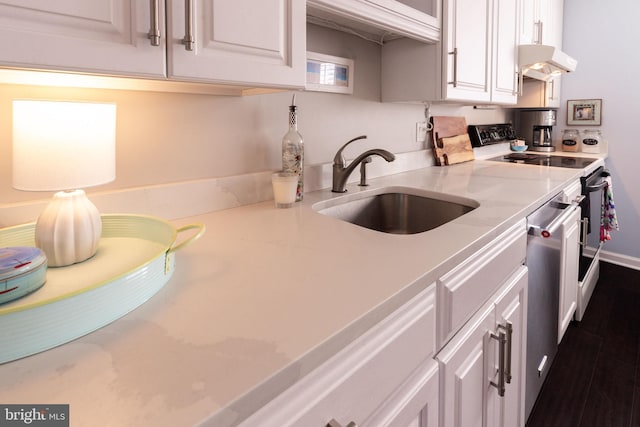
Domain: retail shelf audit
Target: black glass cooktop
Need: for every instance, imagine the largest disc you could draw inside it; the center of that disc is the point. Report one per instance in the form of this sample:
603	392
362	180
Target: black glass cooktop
546	160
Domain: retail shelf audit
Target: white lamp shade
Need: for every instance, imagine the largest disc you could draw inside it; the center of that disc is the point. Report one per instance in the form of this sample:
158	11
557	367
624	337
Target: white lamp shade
62	145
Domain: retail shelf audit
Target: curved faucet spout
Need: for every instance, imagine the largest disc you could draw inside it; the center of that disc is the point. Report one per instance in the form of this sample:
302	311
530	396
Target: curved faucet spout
341	171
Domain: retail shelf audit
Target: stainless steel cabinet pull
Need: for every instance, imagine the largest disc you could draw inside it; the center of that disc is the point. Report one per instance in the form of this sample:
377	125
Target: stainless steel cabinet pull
507	372
188	41
154	31
553	89
334	423
538	26
502	342
455	67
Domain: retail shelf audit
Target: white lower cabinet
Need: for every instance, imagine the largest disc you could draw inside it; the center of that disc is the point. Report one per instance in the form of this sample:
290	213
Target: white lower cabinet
415	403
395	375
476	388
391	366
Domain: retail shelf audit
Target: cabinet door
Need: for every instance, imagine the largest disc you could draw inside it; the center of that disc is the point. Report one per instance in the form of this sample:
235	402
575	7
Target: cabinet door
505	45
528	23
107	37
541	22
552	92
466	364
550	16
511	308
468	40
569	271
414	404
244	42
469	363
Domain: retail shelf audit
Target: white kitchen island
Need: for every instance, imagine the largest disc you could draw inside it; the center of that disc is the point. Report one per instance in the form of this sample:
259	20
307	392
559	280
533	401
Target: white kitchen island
265	297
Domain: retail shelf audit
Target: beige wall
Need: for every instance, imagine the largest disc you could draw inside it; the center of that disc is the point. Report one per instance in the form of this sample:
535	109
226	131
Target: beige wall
168	137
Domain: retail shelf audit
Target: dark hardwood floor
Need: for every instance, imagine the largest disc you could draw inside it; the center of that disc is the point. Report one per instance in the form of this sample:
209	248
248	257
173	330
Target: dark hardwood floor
595	377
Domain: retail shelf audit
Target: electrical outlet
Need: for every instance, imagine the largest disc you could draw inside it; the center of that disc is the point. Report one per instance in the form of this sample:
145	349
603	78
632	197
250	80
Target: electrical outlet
421	131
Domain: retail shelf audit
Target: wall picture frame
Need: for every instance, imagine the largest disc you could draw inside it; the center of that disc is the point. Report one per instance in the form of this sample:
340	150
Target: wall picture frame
584	112
326	73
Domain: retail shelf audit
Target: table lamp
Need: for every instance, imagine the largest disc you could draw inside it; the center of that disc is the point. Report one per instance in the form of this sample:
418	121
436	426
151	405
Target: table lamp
59	145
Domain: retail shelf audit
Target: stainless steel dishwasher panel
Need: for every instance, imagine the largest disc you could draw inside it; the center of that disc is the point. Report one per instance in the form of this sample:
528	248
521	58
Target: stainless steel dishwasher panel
543	261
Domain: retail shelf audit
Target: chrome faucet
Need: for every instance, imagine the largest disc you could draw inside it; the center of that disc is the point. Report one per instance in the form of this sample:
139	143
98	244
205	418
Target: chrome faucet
341	171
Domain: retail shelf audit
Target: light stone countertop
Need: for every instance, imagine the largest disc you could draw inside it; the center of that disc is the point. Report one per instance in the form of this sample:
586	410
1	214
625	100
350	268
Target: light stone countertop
265	296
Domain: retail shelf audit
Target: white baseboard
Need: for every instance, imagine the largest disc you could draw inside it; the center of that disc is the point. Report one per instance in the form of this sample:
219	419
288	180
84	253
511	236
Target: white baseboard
615	258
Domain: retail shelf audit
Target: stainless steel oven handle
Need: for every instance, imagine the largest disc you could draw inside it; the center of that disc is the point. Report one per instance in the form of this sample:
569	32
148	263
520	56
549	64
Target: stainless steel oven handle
597	187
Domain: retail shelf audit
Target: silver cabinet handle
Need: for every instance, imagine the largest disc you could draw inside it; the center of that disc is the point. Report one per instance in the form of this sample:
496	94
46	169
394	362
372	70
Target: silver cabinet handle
505	341
188	41
455	67
334	423
553	90
502	342
509	345
538	28
154	31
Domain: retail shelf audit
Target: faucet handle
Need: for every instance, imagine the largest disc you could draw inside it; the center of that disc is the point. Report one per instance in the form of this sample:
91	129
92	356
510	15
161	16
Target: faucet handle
339	158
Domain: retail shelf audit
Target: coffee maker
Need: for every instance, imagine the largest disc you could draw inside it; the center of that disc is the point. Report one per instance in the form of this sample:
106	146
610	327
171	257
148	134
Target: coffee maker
535	126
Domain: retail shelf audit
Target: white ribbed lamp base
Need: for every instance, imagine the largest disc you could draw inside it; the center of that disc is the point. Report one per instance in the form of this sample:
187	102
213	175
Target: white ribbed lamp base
68	230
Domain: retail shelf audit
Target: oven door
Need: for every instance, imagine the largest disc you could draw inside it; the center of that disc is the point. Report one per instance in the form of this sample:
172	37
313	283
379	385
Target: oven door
592	186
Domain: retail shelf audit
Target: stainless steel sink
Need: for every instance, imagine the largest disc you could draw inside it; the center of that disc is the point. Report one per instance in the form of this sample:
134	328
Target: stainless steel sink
398	210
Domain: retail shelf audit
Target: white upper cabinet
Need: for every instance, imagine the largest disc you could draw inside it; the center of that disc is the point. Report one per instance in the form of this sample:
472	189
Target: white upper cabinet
504	87
383	19
258	42
475	62
541	22
468	40
105	36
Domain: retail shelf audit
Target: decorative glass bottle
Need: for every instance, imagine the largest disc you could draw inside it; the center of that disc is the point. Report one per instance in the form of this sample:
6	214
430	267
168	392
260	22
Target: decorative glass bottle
293	149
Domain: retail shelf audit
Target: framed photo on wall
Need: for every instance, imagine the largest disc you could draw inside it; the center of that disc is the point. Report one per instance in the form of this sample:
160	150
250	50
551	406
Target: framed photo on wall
584	112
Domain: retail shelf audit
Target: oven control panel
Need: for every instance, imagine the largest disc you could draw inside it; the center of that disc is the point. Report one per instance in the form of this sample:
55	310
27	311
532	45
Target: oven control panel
491	134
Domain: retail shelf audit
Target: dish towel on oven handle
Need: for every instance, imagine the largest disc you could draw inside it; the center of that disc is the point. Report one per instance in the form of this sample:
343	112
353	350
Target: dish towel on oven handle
608	220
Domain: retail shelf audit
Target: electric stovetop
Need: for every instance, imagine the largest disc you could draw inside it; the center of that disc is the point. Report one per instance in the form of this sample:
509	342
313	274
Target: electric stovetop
546	160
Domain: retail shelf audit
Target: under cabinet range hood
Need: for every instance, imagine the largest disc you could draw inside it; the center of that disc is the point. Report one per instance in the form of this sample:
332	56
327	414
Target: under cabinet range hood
543	62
